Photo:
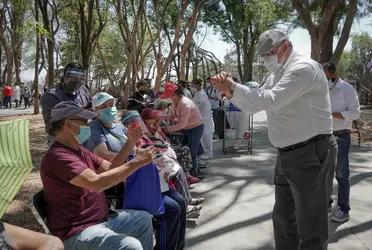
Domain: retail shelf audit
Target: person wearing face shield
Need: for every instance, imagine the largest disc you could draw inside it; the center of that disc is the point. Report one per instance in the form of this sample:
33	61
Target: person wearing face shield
345	108
296	100
71	88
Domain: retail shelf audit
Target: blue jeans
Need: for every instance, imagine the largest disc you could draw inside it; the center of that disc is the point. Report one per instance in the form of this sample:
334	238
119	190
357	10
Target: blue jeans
128	229
192	140
175	220
343	172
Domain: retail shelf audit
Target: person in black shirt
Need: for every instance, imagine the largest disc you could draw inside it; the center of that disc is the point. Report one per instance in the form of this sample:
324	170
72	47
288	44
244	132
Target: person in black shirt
143	97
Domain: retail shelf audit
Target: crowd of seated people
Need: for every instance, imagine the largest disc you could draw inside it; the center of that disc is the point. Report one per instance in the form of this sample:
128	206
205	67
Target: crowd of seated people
128	153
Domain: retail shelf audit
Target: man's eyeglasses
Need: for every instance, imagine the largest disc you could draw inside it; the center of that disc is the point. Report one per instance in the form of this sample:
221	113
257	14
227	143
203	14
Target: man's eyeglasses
274	50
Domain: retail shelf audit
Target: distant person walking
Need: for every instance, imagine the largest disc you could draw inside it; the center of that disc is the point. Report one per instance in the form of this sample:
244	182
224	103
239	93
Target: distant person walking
16	95
27	97
7	94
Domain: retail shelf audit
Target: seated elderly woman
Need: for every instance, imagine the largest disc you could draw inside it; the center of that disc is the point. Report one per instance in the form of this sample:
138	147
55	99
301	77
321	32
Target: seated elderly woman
167	162
142	188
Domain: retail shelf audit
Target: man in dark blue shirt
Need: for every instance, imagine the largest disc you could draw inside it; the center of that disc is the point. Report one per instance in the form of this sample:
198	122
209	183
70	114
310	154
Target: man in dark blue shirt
71	88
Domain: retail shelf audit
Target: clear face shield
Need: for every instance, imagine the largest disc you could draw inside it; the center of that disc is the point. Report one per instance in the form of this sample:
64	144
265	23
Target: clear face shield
73	79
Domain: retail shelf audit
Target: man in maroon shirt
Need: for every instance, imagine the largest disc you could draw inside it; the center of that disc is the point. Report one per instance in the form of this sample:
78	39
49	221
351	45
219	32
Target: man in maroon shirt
74	180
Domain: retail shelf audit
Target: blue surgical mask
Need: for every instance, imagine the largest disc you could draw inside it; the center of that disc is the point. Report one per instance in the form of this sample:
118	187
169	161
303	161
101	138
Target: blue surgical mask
108	115
83	135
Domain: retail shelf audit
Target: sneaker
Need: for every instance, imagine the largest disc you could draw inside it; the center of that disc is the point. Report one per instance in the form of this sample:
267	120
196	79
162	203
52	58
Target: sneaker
206	157
193	212
340	216
202	163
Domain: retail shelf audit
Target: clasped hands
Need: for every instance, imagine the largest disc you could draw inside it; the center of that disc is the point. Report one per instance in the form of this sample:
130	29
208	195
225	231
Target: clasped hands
223	82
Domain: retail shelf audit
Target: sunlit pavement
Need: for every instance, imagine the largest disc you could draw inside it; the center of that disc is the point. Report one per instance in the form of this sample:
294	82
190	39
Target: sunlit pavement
16	111
240	196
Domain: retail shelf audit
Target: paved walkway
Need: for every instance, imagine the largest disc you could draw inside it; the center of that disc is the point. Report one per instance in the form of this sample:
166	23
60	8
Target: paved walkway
240	196
16	111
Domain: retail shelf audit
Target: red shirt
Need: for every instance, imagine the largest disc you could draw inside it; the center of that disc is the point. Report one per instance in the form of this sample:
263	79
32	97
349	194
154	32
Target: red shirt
7	91
70	209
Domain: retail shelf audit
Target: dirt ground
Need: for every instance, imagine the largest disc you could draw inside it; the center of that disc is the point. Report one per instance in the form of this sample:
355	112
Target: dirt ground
19	212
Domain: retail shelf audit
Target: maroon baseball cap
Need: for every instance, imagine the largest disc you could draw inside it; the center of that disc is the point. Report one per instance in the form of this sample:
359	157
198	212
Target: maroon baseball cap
148	114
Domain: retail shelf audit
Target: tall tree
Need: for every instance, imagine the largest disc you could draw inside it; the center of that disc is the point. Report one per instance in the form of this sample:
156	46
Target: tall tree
189	32
6	43
49	10
12	17
130	17
242	22
184	22
92	22
37	60
356	65
327	18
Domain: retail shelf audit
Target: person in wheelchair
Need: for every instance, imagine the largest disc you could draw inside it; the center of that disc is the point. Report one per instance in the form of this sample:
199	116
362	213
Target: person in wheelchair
74	180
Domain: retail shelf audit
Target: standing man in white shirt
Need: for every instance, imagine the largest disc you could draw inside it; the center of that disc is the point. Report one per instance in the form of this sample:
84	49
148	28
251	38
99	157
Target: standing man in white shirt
200	98
296	100
345	109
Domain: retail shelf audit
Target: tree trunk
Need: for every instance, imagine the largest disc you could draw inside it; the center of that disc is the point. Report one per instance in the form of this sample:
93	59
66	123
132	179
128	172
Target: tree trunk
188	61
37	59
345	33
50	45
17	66
326	48
238	58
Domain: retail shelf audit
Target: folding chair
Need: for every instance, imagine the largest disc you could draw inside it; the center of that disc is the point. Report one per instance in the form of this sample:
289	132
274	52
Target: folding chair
38	208
15	159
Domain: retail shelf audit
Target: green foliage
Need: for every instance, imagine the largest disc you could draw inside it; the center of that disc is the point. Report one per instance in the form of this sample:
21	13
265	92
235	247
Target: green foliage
233	18
353	63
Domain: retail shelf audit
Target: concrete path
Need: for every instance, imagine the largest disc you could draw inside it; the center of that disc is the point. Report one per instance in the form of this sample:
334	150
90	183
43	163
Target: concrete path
240	196
16	111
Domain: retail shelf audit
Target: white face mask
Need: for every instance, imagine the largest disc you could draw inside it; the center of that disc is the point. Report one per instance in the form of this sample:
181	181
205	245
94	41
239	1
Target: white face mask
271	63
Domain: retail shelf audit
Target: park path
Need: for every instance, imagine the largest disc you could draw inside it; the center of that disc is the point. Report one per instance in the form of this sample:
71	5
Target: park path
240	196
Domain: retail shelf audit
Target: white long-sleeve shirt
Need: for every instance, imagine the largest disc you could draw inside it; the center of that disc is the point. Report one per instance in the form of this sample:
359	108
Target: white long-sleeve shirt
296	101
344	100
201	100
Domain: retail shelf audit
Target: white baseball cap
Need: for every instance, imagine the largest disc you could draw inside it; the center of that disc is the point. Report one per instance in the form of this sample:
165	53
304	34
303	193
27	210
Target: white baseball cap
269	40
100	98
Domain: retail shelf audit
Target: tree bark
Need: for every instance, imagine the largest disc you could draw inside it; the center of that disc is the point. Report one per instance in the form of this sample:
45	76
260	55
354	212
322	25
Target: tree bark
322	32
190	27
345	33
37	61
